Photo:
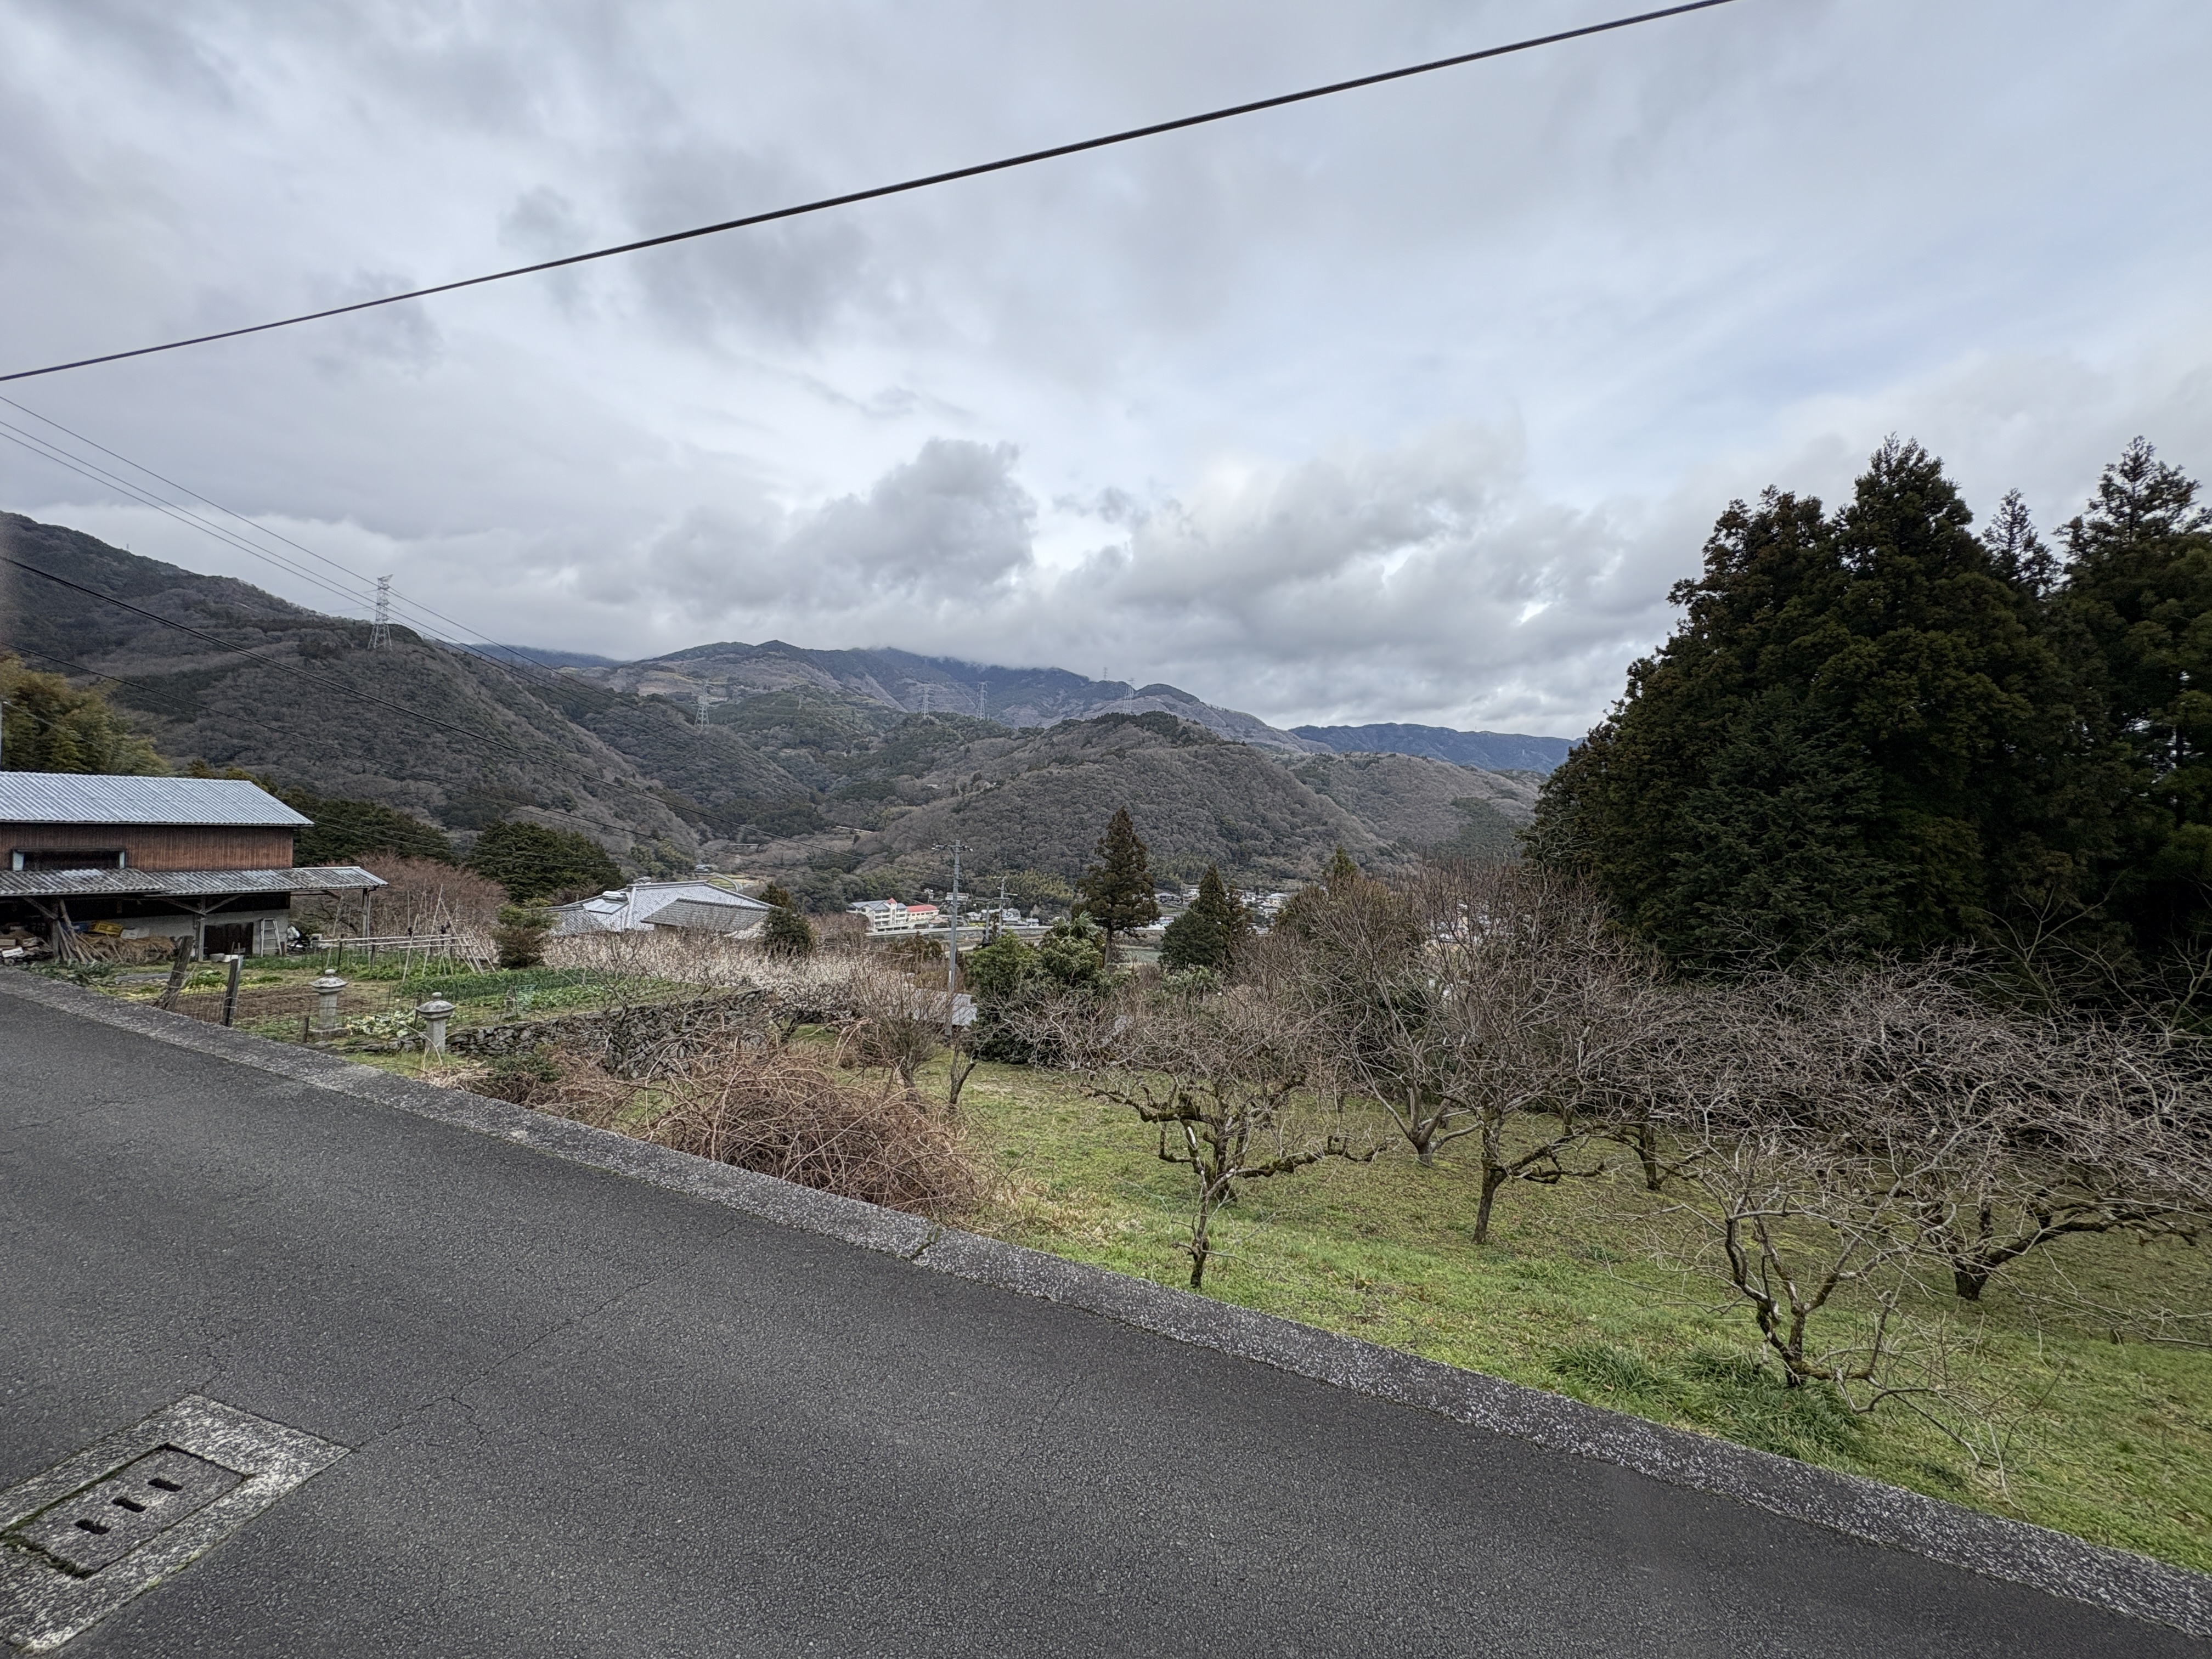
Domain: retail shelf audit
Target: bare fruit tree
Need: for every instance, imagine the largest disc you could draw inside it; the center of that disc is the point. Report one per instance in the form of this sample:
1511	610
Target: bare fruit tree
2007	1133
1500	1016
1226	1080
891	1024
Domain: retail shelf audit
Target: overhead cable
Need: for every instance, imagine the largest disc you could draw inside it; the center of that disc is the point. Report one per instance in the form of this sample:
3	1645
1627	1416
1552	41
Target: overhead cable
878	192
255	656
53	451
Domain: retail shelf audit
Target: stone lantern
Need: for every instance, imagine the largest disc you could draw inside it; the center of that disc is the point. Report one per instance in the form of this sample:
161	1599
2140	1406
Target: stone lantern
326	991
435	1013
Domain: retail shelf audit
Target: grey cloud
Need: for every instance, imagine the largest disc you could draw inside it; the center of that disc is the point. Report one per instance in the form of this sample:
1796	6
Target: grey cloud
951	522
1409	404
780	280
403	336
544	224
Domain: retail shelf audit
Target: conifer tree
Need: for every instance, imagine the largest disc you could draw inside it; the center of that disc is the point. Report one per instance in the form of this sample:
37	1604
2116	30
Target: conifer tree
1117	890
1208	934
784	932
1341	872
1861	735
2139	592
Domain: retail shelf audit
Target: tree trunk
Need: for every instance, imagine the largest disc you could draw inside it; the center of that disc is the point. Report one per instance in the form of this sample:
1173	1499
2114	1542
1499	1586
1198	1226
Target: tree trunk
1492	1179
1968	1280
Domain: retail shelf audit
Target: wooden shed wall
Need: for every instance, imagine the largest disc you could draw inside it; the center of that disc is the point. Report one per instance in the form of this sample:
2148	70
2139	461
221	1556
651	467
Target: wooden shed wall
160	846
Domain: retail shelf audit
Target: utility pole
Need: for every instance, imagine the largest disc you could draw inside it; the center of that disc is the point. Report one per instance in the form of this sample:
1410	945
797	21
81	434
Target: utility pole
953	946
379	632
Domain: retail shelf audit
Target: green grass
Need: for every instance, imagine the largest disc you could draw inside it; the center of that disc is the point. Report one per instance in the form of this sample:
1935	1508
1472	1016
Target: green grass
2115	1444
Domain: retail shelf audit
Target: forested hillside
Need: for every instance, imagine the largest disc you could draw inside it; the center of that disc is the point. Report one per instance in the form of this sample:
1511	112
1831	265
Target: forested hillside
803	756
1495	751
899	682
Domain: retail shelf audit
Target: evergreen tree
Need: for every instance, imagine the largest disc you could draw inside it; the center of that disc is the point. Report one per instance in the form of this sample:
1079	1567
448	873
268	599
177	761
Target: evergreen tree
784	932
1861	735
2139	591
1208	934
536	865
1117	890
1341	872
347	831
47	725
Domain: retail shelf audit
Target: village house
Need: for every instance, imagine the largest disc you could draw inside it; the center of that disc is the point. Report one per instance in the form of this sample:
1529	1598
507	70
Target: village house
697	906
205	859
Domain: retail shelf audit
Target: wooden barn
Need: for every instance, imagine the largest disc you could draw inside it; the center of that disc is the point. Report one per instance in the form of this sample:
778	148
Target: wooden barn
207	859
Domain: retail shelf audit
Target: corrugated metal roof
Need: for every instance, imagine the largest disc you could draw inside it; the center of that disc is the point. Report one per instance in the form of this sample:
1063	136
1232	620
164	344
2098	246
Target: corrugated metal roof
706	918
183	884
68	883
70	798
636	905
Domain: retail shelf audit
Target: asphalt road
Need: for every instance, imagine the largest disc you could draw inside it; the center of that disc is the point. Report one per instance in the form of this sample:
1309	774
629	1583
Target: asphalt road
590	1416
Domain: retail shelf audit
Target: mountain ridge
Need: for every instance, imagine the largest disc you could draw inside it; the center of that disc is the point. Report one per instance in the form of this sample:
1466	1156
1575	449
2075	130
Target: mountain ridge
809	762
1489	751
913	683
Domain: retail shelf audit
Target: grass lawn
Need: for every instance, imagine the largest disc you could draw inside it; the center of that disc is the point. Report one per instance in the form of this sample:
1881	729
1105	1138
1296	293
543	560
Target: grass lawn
2112	1441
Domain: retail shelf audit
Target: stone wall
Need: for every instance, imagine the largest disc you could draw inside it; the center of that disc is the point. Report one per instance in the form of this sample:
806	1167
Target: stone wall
632	1040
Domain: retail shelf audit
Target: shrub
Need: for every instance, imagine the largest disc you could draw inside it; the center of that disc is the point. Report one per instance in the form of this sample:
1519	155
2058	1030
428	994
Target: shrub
519	947
782	1114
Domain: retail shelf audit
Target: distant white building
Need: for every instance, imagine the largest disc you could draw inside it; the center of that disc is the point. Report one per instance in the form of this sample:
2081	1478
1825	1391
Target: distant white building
632	909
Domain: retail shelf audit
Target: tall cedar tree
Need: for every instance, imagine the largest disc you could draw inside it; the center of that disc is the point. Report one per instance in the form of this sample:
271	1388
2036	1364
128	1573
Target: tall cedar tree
1861	736
1117	890
1208	934
2139	590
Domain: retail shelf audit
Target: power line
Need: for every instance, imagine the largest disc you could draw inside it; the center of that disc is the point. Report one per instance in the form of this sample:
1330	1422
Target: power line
53	451
878	192
46	450
255	656
497	740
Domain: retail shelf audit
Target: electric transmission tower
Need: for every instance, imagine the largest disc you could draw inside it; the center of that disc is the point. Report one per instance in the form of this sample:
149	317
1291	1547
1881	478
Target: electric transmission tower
379	632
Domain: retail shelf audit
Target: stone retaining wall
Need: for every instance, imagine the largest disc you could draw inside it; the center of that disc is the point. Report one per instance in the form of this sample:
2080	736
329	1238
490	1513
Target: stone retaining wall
629	1041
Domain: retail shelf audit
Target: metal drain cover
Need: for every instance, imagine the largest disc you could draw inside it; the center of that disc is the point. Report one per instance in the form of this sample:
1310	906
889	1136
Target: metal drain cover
92	1532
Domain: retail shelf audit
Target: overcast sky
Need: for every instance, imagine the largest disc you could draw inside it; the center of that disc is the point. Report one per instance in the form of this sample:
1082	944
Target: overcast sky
1409	404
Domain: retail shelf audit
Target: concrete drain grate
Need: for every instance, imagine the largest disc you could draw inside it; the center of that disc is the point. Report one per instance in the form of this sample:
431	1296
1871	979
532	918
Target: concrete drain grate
80	1540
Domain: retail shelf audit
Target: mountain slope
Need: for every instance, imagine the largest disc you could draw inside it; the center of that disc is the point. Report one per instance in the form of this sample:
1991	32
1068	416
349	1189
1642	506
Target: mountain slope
1038	800
476	740
1492	751
805	755
904	682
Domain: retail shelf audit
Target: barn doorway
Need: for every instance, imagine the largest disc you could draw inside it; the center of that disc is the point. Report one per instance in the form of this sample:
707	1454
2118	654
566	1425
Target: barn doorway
228	938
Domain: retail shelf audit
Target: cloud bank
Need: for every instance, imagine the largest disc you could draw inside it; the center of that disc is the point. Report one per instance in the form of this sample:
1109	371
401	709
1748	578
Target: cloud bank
1406	406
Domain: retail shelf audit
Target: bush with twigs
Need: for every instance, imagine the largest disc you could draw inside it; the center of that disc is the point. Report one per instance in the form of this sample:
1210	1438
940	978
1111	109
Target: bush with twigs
780	1112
